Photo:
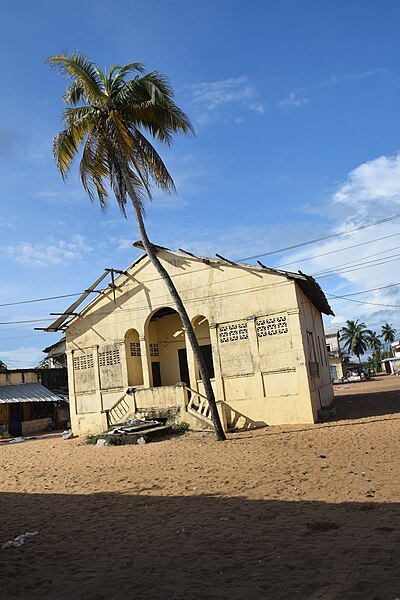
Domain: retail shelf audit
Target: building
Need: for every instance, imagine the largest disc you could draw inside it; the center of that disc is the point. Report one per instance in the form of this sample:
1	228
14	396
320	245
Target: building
28	406
392	364
260	331
56	355
332	338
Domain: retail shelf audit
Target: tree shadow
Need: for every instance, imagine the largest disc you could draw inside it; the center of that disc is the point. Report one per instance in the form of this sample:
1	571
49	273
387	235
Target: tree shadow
371	404
111	545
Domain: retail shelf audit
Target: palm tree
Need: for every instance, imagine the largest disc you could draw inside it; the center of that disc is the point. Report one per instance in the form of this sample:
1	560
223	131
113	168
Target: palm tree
355	336
388	334
373	340
107	115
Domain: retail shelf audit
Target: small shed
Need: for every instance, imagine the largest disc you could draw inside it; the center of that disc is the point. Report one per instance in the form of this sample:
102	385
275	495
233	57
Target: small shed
27	406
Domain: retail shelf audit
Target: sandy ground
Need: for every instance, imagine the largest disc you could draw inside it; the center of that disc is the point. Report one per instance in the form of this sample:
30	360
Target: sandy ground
280	513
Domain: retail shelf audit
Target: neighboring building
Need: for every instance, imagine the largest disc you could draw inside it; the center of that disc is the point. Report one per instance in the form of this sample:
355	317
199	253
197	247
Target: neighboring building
392	365
260	330
56	355
26	405
332	338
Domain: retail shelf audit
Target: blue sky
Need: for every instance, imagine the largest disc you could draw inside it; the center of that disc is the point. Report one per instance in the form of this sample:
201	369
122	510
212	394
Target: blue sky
296	107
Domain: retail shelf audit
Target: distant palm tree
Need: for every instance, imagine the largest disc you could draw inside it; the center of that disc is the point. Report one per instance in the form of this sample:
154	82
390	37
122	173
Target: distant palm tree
373	340
355	336
107	114
388	334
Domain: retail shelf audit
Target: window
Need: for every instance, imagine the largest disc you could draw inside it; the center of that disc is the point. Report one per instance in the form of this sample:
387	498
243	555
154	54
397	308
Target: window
233	332
271	326
135	348
83	362
109	358
154	350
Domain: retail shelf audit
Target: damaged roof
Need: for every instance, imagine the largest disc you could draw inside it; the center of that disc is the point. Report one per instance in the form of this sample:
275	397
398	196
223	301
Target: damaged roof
306	283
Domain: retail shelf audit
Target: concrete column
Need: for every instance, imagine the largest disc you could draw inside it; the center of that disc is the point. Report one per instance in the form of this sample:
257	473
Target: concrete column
219	384
124	364
145	361
191	364
255	355
71	385
97	382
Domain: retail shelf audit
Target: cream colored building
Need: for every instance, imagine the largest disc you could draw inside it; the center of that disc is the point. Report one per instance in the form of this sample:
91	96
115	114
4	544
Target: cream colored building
335	356
260	330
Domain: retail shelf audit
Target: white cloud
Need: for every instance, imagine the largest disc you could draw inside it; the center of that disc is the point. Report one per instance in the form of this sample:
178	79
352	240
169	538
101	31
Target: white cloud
53	253
293	100
369	193
300	96
22	358
373	181
209	98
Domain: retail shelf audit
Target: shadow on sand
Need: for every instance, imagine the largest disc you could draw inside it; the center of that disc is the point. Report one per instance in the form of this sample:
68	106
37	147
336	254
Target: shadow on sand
110	545
371	404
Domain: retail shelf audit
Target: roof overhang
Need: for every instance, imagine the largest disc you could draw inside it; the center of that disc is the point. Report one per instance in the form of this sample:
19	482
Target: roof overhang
26	392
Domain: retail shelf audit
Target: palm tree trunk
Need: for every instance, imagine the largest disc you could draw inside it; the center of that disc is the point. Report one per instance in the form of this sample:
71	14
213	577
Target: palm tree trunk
151	253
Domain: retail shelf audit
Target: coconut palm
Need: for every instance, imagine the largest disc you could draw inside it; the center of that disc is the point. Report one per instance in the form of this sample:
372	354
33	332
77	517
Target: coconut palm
373	341
110	117
355	335
388	335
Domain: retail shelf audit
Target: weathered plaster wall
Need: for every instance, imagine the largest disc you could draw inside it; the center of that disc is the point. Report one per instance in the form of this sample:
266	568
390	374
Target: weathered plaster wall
258	324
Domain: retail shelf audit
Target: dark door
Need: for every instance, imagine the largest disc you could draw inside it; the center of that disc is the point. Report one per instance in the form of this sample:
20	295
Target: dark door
207	355
156	373
183	366
15	418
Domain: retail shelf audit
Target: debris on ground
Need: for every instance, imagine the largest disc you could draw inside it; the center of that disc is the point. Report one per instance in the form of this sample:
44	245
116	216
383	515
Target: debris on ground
19	540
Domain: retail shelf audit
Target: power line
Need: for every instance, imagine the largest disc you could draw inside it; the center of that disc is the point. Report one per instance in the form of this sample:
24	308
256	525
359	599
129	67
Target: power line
360	260
274	252
321	239
364	302
357	264
295	262
382	287
40	299
29	321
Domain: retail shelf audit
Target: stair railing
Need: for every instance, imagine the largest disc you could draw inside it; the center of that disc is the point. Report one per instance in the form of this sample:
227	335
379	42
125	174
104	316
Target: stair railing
117	412
198	403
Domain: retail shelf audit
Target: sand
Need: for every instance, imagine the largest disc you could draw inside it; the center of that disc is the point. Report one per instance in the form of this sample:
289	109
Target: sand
279	513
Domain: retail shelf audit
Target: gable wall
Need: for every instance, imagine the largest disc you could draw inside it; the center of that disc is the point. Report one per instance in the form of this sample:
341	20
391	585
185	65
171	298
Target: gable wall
258	347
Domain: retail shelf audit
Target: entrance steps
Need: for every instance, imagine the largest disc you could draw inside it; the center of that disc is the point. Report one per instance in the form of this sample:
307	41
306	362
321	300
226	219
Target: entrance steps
171	404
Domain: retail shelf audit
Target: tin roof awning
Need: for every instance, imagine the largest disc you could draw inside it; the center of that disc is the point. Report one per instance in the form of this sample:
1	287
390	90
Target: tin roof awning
26	392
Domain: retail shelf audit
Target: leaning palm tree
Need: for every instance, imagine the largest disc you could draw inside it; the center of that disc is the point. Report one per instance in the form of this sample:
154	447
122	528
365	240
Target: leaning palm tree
388	335
355	336
108	115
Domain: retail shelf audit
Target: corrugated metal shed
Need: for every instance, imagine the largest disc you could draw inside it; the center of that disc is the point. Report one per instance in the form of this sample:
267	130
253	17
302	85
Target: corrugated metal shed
26	392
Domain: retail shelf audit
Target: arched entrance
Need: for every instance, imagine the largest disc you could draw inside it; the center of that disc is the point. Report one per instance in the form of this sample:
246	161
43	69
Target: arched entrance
167	348
133	358
202	331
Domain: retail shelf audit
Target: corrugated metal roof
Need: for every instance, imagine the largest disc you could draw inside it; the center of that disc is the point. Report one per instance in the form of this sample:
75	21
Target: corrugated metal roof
26	392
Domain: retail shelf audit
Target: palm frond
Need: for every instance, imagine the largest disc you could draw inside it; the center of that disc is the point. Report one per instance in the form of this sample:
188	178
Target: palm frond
94	171
79	67
66	144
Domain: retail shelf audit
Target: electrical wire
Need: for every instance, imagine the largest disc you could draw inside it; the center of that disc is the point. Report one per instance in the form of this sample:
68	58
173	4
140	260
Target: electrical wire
40	299
321	239
296	262
360	260
364	301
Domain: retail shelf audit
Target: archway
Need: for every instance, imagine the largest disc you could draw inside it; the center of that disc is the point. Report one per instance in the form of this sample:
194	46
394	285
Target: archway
133	358
166	348
202	330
